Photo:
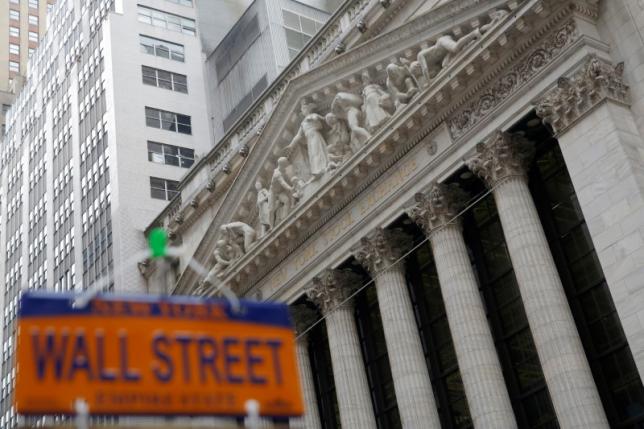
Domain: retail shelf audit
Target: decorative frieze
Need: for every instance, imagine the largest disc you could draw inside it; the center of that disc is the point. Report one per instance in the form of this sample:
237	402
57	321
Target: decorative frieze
512	81
333	288
381	249
503	155
440	206
593	83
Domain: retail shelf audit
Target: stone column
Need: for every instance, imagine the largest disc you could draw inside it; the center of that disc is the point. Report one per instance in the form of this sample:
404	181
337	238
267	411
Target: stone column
601	144
485	388
303	318
414	394
502	162
330	292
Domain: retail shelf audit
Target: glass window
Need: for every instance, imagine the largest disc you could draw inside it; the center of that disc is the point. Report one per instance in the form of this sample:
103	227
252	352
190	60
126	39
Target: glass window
14	14
167	20
14	1
33	36
299	30
161	48
14	31
169	121
14	49
170	155
14	66
163	189
33	4
33	20
164	79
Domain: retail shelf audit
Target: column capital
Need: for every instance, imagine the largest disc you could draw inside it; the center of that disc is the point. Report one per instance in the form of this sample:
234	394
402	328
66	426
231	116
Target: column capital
438	207
595	81
381	248
332	287
503	155
303	317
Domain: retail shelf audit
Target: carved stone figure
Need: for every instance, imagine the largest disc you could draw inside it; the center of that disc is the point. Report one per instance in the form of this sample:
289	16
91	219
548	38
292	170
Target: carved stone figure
223	255
310	132
348	106
339	139
298	189
263	208
281	193
377	103
401	84
239	235
438	56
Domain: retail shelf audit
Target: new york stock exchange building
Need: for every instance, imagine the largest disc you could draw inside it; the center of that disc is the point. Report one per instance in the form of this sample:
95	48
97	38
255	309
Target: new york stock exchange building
450	196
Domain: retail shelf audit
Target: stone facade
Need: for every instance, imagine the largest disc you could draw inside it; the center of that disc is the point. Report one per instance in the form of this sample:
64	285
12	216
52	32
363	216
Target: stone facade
396	141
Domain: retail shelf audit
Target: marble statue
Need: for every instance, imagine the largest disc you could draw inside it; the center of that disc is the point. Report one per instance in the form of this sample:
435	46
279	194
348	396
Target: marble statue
223	255
310	132
348	106
263	208
438	56
377	103
339	140
281	193
239	235
401	84
298	189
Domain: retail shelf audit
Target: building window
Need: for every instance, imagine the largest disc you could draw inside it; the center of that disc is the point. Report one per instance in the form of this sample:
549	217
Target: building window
182	2
14	66
14	14
5	108
33	36
14	49
170	121
31	51
170	155
167	20
14	1
33	20
163	189
299	30
161	48
165	79
33	4
14	31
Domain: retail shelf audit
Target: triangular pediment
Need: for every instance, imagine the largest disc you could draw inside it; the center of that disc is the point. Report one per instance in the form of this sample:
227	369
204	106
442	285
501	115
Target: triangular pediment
333	122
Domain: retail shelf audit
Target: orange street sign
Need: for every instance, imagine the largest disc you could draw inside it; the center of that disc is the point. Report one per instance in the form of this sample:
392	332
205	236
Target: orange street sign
154	356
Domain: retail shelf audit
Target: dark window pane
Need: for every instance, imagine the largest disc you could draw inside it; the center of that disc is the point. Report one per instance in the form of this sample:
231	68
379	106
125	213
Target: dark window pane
308	26
171	160
291	20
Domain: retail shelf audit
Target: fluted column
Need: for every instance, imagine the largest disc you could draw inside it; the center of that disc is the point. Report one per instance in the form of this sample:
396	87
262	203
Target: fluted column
481	372
329	291
414	393
303	318
502	163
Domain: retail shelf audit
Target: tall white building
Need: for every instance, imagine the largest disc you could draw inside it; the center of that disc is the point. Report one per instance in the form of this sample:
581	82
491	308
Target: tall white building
111	117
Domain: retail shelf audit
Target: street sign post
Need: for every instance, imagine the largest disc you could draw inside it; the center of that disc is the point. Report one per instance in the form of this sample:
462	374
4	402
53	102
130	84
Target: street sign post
154	356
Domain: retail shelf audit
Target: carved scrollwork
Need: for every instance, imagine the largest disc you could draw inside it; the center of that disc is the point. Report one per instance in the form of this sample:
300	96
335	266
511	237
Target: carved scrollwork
503	155
381	249
440	206
333	288
574	96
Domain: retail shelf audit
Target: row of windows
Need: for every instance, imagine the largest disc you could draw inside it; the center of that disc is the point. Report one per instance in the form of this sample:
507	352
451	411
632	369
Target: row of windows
170	155
15	32
33	4
167	20
162	48
163	189
182	2
15	15
165	79
299	30
169	121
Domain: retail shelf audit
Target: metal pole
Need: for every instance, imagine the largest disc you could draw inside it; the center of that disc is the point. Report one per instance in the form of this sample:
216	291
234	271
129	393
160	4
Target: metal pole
82	414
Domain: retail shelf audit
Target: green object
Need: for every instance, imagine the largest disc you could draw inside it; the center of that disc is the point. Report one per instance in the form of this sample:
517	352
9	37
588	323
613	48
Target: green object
158	242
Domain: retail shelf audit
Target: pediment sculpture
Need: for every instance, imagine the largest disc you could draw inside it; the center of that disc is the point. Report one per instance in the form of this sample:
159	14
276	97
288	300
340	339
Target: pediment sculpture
329	133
